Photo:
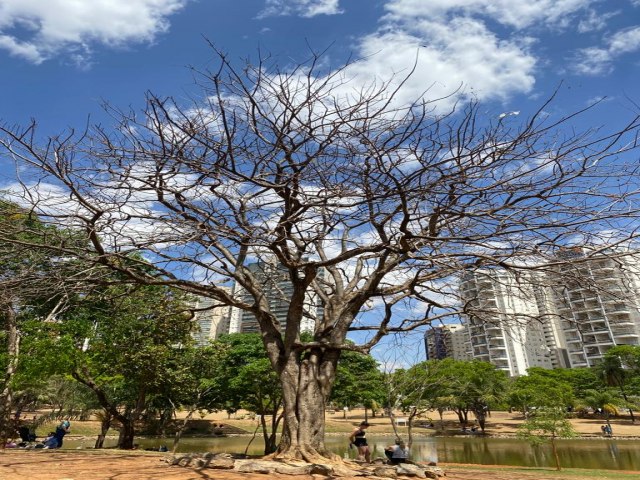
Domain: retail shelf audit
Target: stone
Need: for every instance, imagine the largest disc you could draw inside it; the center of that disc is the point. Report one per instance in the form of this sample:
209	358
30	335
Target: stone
254	467
220	463
321	469
409	470
386	472
434	472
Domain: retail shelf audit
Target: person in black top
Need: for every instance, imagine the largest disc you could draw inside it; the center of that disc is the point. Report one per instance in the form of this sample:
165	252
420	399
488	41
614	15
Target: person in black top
359	438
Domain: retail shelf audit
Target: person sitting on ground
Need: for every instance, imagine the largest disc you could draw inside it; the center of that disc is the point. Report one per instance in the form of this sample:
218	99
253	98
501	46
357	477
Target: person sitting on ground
359	438
397	453
55	440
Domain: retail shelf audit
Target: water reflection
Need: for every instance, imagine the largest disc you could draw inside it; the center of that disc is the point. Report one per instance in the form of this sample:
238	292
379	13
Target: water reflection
606	454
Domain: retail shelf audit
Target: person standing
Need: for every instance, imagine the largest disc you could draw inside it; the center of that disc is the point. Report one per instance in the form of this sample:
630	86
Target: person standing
359	438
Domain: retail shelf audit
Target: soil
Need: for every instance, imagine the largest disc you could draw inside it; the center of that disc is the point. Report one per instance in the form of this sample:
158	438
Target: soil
142	465
136	465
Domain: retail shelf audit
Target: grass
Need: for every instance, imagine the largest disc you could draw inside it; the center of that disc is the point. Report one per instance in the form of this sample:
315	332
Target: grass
549	473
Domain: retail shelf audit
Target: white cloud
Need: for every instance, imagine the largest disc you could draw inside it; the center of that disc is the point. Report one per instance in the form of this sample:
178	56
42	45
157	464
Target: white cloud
37	30
455	58
303	8
514	13
599	60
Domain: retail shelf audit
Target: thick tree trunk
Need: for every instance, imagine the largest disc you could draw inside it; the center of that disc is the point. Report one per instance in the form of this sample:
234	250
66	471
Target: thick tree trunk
6	395
306	384
127	434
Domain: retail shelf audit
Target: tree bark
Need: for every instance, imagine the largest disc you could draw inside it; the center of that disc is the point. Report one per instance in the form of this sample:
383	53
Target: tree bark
306	383
6	396
105	424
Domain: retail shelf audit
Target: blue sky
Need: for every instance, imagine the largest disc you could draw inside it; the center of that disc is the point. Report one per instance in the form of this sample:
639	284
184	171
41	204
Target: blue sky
61	58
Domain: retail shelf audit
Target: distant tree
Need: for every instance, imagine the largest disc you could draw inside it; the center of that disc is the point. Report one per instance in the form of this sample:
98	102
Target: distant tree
534	390
580	379
366	200
620	365
603	400
358	381
547	424
244	378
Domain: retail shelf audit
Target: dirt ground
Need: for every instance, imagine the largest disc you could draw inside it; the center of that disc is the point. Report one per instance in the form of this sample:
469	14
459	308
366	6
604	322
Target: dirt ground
141	465
74	465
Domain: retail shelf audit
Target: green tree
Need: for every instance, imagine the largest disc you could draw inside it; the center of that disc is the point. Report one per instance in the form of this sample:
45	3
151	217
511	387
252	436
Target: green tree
603	400
547	424
359	381
118	341
245	379
534	390
619	365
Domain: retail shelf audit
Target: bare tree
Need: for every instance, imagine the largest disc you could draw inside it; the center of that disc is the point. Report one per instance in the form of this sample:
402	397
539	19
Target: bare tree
371	206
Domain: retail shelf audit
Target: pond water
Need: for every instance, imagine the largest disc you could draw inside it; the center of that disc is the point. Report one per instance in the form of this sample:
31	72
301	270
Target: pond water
591	453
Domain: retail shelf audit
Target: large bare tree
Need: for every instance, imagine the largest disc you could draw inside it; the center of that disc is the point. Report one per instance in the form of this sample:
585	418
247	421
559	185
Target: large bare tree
372	206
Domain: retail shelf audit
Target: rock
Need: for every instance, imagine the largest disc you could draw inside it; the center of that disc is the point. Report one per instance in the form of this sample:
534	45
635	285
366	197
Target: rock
254	467
386	472
408	470
434	472
293	469
220	463
321	469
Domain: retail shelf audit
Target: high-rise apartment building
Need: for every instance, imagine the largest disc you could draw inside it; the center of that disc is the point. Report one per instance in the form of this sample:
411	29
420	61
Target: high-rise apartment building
598	304
278	291
446	341
565	315
212	320
508	321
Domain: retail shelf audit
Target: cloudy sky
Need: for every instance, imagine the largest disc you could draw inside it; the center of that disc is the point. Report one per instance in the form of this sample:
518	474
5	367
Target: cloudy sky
60	58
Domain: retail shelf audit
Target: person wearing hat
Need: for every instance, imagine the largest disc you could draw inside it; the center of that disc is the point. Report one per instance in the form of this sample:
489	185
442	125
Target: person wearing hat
359	438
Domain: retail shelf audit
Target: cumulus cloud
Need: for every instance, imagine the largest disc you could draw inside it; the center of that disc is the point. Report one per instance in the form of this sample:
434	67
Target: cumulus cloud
453	58
599	60
514	13
37	30
303	8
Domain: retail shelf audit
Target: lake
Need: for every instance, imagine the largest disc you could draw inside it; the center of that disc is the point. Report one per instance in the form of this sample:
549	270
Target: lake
589	453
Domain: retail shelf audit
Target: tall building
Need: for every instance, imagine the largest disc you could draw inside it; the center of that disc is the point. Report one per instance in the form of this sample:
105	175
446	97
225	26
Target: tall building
598	304
508	322
278	290
211	321
446	341
568	314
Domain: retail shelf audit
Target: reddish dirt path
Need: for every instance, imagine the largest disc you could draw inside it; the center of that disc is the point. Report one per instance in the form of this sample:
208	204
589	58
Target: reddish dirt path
71	465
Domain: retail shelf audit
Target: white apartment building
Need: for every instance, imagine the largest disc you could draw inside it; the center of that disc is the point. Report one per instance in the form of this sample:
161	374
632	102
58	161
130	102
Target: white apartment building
449	340
598	304
508	322
212	321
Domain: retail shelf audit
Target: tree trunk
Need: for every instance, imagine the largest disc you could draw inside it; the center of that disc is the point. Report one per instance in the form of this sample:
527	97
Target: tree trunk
6	396
306	384
181	428
127	434
554	448
105	424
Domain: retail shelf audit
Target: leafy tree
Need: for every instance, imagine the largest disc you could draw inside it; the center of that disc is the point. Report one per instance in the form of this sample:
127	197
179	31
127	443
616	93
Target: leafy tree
32	285
119	342
602	400
358	381
547	424
580	379
366	201
244	378
534	390
619	365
